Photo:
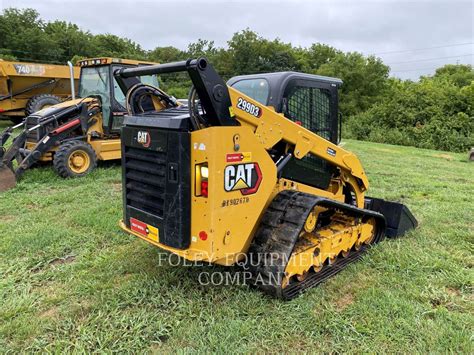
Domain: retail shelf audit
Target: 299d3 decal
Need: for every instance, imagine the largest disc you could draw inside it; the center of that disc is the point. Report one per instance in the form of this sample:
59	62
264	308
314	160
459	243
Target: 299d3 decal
248	107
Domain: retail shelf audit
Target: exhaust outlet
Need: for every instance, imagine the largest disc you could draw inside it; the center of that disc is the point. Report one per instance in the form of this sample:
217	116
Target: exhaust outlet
71	78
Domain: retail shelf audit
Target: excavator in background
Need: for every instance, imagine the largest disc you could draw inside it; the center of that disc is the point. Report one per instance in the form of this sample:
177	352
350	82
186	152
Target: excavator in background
74	134
250	172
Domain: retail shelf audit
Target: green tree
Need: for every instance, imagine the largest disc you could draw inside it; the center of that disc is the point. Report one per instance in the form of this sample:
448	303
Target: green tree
365	80
460	74
70	39
166	55
113	46
23	36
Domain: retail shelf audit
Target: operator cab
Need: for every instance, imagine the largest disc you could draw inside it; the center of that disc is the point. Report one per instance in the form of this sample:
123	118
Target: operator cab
305	98
97	79
310	100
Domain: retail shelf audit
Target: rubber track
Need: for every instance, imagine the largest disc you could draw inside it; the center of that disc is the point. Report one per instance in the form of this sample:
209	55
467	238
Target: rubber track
277	235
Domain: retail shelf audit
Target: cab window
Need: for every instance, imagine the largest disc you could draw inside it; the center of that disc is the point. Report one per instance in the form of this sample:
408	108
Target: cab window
257	89
310	106
95	81
120	96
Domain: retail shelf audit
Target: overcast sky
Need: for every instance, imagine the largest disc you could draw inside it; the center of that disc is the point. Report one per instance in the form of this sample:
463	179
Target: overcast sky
370	27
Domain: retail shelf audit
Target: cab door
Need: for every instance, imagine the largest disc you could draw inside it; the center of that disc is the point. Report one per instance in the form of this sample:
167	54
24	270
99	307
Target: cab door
314	105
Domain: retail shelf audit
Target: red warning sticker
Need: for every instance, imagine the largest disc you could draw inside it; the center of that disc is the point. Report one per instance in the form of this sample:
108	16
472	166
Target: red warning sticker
238	157
138	226
145	229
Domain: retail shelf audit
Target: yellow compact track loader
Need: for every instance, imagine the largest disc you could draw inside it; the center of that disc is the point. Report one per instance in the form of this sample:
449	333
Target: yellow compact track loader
76	133
251	173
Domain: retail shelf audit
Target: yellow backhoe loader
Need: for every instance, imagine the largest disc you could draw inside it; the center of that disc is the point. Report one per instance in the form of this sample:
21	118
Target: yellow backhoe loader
76	133
251	172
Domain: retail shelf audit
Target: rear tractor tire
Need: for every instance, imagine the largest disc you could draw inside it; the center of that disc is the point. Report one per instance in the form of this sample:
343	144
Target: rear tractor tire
39	102
74	159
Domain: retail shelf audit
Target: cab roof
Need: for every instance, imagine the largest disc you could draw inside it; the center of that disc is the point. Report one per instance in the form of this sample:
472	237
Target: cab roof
90	62
284	76
279	81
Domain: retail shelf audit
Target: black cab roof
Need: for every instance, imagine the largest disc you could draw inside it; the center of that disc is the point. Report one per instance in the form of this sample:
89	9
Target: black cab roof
278	82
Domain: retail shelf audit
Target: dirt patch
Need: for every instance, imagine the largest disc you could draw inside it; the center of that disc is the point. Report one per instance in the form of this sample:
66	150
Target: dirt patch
386	150
444	156
453	291
345	301
65	260
7	218
51	313
117	186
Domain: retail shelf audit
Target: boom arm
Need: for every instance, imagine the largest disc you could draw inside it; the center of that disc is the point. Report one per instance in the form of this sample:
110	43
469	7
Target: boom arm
271	127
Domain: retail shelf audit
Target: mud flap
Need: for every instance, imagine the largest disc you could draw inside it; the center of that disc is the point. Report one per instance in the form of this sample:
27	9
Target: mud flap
398	217
7	178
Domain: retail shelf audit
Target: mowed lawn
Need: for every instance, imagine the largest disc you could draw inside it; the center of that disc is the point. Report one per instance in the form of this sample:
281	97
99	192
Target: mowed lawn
70	280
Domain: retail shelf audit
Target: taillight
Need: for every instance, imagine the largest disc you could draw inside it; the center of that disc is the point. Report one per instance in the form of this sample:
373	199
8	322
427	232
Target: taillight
204	188
202	182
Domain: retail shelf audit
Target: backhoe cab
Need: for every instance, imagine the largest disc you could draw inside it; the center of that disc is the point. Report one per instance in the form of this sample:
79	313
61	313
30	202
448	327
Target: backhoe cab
76	133
251	172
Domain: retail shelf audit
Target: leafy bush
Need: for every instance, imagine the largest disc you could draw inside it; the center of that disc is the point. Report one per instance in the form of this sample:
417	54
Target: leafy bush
434	113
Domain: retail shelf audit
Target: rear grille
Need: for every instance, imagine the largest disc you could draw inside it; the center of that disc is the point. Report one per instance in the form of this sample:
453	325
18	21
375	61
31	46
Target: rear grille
145	180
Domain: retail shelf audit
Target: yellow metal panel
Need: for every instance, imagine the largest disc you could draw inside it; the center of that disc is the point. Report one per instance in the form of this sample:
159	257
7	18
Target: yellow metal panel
107	149
25	75
23	69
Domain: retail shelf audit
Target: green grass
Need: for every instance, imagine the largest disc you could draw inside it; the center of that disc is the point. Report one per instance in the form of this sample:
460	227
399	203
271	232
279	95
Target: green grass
70	280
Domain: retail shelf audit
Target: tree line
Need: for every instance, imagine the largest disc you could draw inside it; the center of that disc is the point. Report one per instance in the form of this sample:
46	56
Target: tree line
435	112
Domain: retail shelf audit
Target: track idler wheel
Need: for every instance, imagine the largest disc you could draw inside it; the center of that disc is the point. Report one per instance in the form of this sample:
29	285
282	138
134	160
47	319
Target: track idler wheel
7	178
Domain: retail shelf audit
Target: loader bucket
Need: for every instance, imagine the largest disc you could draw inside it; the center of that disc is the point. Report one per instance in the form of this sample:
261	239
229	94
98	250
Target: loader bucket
7	178
398	217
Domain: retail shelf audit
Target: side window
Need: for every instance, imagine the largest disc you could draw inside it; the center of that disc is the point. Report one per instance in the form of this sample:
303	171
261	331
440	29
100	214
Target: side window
257	89
118	94
311	106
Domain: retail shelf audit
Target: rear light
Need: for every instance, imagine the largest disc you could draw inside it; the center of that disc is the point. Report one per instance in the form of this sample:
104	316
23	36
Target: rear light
204	188
204	171
202	180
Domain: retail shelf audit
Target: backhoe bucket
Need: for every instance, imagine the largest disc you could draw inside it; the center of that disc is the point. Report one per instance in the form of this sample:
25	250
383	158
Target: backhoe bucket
7	178
398	217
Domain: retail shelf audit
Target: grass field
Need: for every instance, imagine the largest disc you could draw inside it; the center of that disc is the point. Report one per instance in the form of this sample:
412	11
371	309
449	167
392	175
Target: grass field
70	280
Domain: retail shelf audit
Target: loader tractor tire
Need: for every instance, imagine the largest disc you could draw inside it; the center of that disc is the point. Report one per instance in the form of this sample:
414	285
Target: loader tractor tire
39	102
74	159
